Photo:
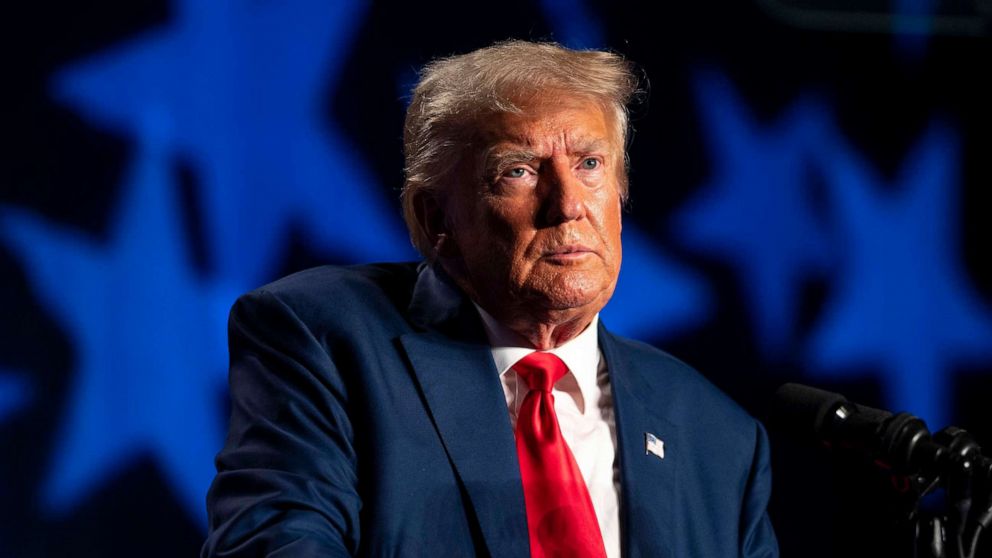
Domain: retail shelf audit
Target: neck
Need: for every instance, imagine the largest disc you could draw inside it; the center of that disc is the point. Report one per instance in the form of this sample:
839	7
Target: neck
533	322
544	334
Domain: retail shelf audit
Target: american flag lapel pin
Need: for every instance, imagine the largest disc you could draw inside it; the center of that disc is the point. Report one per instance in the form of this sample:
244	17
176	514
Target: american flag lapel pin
654	444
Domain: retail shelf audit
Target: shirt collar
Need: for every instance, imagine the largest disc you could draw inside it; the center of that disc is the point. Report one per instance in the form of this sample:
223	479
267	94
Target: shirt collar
580	354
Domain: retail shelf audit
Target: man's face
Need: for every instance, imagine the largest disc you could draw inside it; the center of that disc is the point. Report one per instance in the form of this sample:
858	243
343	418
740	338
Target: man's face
535	218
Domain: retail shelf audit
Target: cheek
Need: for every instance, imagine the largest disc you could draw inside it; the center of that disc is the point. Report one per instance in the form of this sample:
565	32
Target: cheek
618	226
486	239
506	221
611	229
608	210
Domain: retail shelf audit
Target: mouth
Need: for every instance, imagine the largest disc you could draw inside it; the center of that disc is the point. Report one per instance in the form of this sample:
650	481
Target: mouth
568	253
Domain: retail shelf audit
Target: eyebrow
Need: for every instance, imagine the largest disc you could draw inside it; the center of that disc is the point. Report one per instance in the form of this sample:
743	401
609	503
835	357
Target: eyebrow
498	155
592	145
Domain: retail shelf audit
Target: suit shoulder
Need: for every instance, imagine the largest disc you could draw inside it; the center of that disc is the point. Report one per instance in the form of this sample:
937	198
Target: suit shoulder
697	397
331	278
345	288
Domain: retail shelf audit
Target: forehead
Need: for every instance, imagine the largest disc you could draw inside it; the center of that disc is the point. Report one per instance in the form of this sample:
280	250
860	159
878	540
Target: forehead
550	124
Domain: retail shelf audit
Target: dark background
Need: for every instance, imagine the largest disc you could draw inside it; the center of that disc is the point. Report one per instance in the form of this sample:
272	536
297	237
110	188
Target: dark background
809	203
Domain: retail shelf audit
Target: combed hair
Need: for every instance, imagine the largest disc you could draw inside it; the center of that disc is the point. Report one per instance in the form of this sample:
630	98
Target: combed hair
455	93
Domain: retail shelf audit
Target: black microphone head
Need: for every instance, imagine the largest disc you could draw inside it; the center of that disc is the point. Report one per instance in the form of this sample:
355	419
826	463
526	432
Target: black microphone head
902	441
805	410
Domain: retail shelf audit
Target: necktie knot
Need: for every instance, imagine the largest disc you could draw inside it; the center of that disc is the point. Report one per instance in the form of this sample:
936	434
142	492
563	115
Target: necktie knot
540	370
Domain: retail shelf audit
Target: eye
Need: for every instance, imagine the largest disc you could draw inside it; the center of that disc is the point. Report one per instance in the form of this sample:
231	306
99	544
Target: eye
590	163
516	172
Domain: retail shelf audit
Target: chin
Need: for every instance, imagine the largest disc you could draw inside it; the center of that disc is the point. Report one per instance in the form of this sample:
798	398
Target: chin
591	300
567	290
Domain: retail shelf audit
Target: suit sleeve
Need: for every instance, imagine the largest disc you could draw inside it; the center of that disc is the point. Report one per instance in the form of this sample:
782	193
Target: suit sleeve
757	536
286	481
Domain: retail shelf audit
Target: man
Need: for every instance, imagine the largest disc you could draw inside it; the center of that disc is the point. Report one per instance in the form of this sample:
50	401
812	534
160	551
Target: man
474	405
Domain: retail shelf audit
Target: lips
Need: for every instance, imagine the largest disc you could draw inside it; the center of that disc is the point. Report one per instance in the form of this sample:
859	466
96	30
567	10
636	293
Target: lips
567	253
568	250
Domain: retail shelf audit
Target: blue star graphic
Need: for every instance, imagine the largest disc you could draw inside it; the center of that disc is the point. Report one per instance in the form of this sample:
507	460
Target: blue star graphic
901	301
149	338
243	85
655	297
15	393
755	212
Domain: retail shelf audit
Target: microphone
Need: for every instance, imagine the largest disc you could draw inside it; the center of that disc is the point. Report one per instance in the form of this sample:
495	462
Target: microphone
900	441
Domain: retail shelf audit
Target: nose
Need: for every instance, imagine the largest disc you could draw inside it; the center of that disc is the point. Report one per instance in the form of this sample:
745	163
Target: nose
564	198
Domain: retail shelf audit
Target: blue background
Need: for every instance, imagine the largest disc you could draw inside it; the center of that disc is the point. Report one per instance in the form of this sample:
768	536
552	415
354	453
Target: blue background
809	203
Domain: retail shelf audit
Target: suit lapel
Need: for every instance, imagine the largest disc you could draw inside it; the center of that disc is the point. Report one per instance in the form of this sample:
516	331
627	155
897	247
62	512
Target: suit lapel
647	482
454	367
453	364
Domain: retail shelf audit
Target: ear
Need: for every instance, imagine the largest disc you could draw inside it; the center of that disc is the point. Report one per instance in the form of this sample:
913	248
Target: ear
433	221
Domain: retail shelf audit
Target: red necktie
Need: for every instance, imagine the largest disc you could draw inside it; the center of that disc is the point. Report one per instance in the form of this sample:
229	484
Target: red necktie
560	516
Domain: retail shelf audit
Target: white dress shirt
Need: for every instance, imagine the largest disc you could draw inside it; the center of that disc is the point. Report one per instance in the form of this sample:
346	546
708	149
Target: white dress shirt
584	405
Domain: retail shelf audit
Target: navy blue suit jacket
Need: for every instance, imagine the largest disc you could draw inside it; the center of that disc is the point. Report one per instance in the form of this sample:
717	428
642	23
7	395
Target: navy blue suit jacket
368	419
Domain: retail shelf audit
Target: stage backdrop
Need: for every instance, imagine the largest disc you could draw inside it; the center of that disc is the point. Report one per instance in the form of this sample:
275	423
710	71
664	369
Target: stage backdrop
809	203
